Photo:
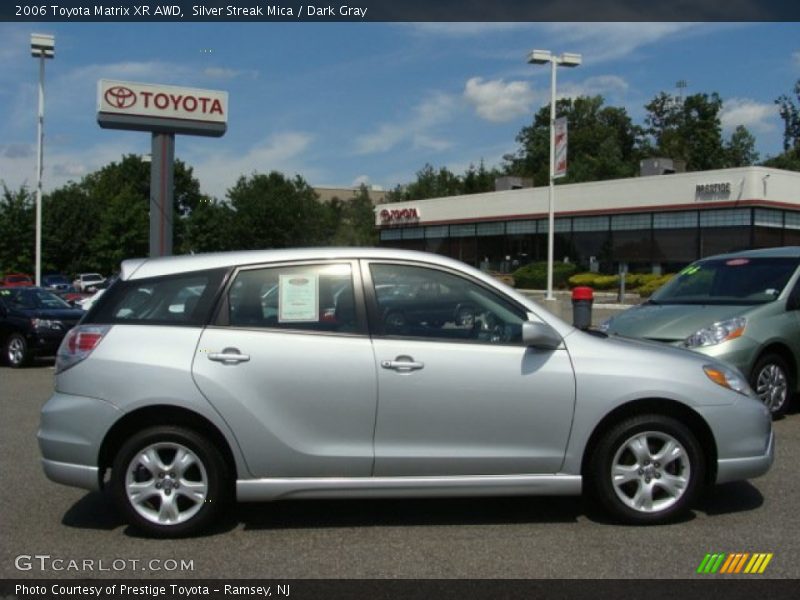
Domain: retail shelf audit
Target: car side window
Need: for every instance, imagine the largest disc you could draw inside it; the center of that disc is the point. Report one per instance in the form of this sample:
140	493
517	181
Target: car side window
302	297
421	302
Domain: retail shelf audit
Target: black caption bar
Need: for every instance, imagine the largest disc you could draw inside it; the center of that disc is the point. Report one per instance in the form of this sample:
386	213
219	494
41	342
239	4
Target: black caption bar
314	589
400	10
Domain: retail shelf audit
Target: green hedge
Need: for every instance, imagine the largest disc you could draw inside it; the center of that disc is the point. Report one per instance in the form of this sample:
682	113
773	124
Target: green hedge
643	283
534	275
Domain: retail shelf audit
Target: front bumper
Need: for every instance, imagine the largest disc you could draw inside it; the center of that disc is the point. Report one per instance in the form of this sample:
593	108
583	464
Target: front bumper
70	434
737	469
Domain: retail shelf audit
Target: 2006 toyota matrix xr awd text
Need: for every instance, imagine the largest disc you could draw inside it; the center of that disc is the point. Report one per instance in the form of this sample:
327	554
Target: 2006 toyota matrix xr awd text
192	386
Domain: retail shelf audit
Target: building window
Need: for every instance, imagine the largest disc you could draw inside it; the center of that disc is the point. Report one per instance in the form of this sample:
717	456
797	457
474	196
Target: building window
792	220
391	234
630	222
519	227
765	217
490	229
436	231
589	224
462	230
413	233
725	218
675	220
563	225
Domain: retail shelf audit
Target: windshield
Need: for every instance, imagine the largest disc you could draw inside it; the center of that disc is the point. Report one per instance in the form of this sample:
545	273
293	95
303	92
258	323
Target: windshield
745	281
27	299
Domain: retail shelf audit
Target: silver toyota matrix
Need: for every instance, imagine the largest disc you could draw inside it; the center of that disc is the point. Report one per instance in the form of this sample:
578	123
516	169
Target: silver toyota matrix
330	373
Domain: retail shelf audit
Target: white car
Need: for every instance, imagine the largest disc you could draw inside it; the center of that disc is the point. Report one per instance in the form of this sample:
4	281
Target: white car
87	282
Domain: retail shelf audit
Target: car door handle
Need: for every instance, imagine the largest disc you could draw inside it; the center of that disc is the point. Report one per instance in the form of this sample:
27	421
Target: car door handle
402	364
229	355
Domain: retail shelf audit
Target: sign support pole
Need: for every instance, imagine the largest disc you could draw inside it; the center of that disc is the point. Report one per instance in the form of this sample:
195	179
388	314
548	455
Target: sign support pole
162	176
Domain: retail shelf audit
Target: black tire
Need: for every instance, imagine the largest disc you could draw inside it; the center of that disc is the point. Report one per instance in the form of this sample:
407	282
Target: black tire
766	374
671	484
192	513
16	351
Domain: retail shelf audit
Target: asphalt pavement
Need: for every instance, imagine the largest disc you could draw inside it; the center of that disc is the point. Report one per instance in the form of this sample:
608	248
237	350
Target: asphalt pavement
82	536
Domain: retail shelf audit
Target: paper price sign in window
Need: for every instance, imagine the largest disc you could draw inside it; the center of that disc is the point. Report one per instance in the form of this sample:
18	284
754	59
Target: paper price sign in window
299	298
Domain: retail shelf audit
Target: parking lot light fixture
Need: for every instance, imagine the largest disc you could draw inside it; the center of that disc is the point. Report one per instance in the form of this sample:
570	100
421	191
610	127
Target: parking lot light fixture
43	46
567	59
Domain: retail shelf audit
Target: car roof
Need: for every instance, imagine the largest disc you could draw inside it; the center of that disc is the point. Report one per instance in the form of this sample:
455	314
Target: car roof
780	252
153	267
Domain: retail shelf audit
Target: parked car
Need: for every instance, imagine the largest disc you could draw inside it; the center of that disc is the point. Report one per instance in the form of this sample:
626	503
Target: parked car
56	281
71	296
743	308
88	282
237	396
33	321
16	280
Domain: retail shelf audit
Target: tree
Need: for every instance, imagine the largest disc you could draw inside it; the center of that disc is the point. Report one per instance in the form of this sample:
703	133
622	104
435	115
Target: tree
70	221
439	183
272	211
208	228
17	230
790	113
602	143
740	150
355	220
687	129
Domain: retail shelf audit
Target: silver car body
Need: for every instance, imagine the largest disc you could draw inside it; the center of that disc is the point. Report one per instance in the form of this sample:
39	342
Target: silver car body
321	415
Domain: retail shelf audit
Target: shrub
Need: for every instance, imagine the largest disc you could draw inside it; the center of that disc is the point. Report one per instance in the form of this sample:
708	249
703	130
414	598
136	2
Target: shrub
534	275
650	287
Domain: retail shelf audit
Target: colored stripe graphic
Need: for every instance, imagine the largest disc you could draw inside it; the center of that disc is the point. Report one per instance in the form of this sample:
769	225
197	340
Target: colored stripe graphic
735	563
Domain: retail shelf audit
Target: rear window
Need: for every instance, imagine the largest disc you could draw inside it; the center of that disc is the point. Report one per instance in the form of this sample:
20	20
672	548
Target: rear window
185	299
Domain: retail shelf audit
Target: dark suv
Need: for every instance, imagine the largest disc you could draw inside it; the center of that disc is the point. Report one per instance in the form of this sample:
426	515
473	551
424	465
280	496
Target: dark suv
33	321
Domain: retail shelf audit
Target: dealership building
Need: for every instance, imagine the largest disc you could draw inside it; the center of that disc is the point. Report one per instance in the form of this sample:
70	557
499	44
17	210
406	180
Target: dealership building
655	223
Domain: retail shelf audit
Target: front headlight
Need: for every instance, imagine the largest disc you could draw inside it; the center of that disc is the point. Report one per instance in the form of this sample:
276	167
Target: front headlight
45	324
728	378
720	331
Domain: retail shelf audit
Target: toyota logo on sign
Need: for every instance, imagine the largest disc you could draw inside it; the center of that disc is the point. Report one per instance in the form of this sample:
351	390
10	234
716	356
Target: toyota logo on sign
120	97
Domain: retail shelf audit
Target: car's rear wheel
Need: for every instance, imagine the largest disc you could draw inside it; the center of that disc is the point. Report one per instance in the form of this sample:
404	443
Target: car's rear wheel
17	352
170	481
647	469
772	381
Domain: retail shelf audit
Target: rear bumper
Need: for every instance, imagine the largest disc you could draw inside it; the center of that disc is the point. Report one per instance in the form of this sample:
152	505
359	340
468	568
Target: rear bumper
81	476
71	432
736	469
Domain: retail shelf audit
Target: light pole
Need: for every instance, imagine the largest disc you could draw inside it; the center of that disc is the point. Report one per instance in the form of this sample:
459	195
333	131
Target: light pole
42	47
567	59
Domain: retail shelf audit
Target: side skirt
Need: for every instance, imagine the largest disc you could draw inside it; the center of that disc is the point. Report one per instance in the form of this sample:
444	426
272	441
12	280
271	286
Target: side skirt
256	490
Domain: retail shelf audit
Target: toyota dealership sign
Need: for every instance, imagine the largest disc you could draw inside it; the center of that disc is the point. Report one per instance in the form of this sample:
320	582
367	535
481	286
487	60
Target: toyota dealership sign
153	107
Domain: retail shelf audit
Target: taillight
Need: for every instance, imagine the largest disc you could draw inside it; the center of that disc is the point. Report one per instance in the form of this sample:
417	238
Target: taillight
78	344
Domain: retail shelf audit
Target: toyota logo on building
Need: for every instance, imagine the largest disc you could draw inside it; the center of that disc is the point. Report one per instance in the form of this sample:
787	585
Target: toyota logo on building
120	97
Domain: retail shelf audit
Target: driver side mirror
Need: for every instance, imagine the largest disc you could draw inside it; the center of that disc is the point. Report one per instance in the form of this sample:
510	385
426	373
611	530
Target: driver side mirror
540	335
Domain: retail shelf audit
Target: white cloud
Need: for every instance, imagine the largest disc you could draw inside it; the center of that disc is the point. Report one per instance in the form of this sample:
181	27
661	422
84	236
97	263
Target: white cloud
604	85
757	116
428	114
498	101
466	29
796	58
361	180
218	170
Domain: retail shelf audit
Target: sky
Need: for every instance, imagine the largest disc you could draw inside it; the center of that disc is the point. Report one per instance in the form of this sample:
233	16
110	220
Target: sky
347	103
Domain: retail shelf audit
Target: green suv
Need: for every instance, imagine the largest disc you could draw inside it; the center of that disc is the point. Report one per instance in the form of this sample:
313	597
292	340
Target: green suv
743	308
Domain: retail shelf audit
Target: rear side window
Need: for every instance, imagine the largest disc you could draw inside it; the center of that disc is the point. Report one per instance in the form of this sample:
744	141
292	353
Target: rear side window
185	299
300	297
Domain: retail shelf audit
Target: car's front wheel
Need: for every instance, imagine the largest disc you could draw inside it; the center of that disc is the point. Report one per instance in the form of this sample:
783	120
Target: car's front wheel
772	382
647	469
17	352
169	481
